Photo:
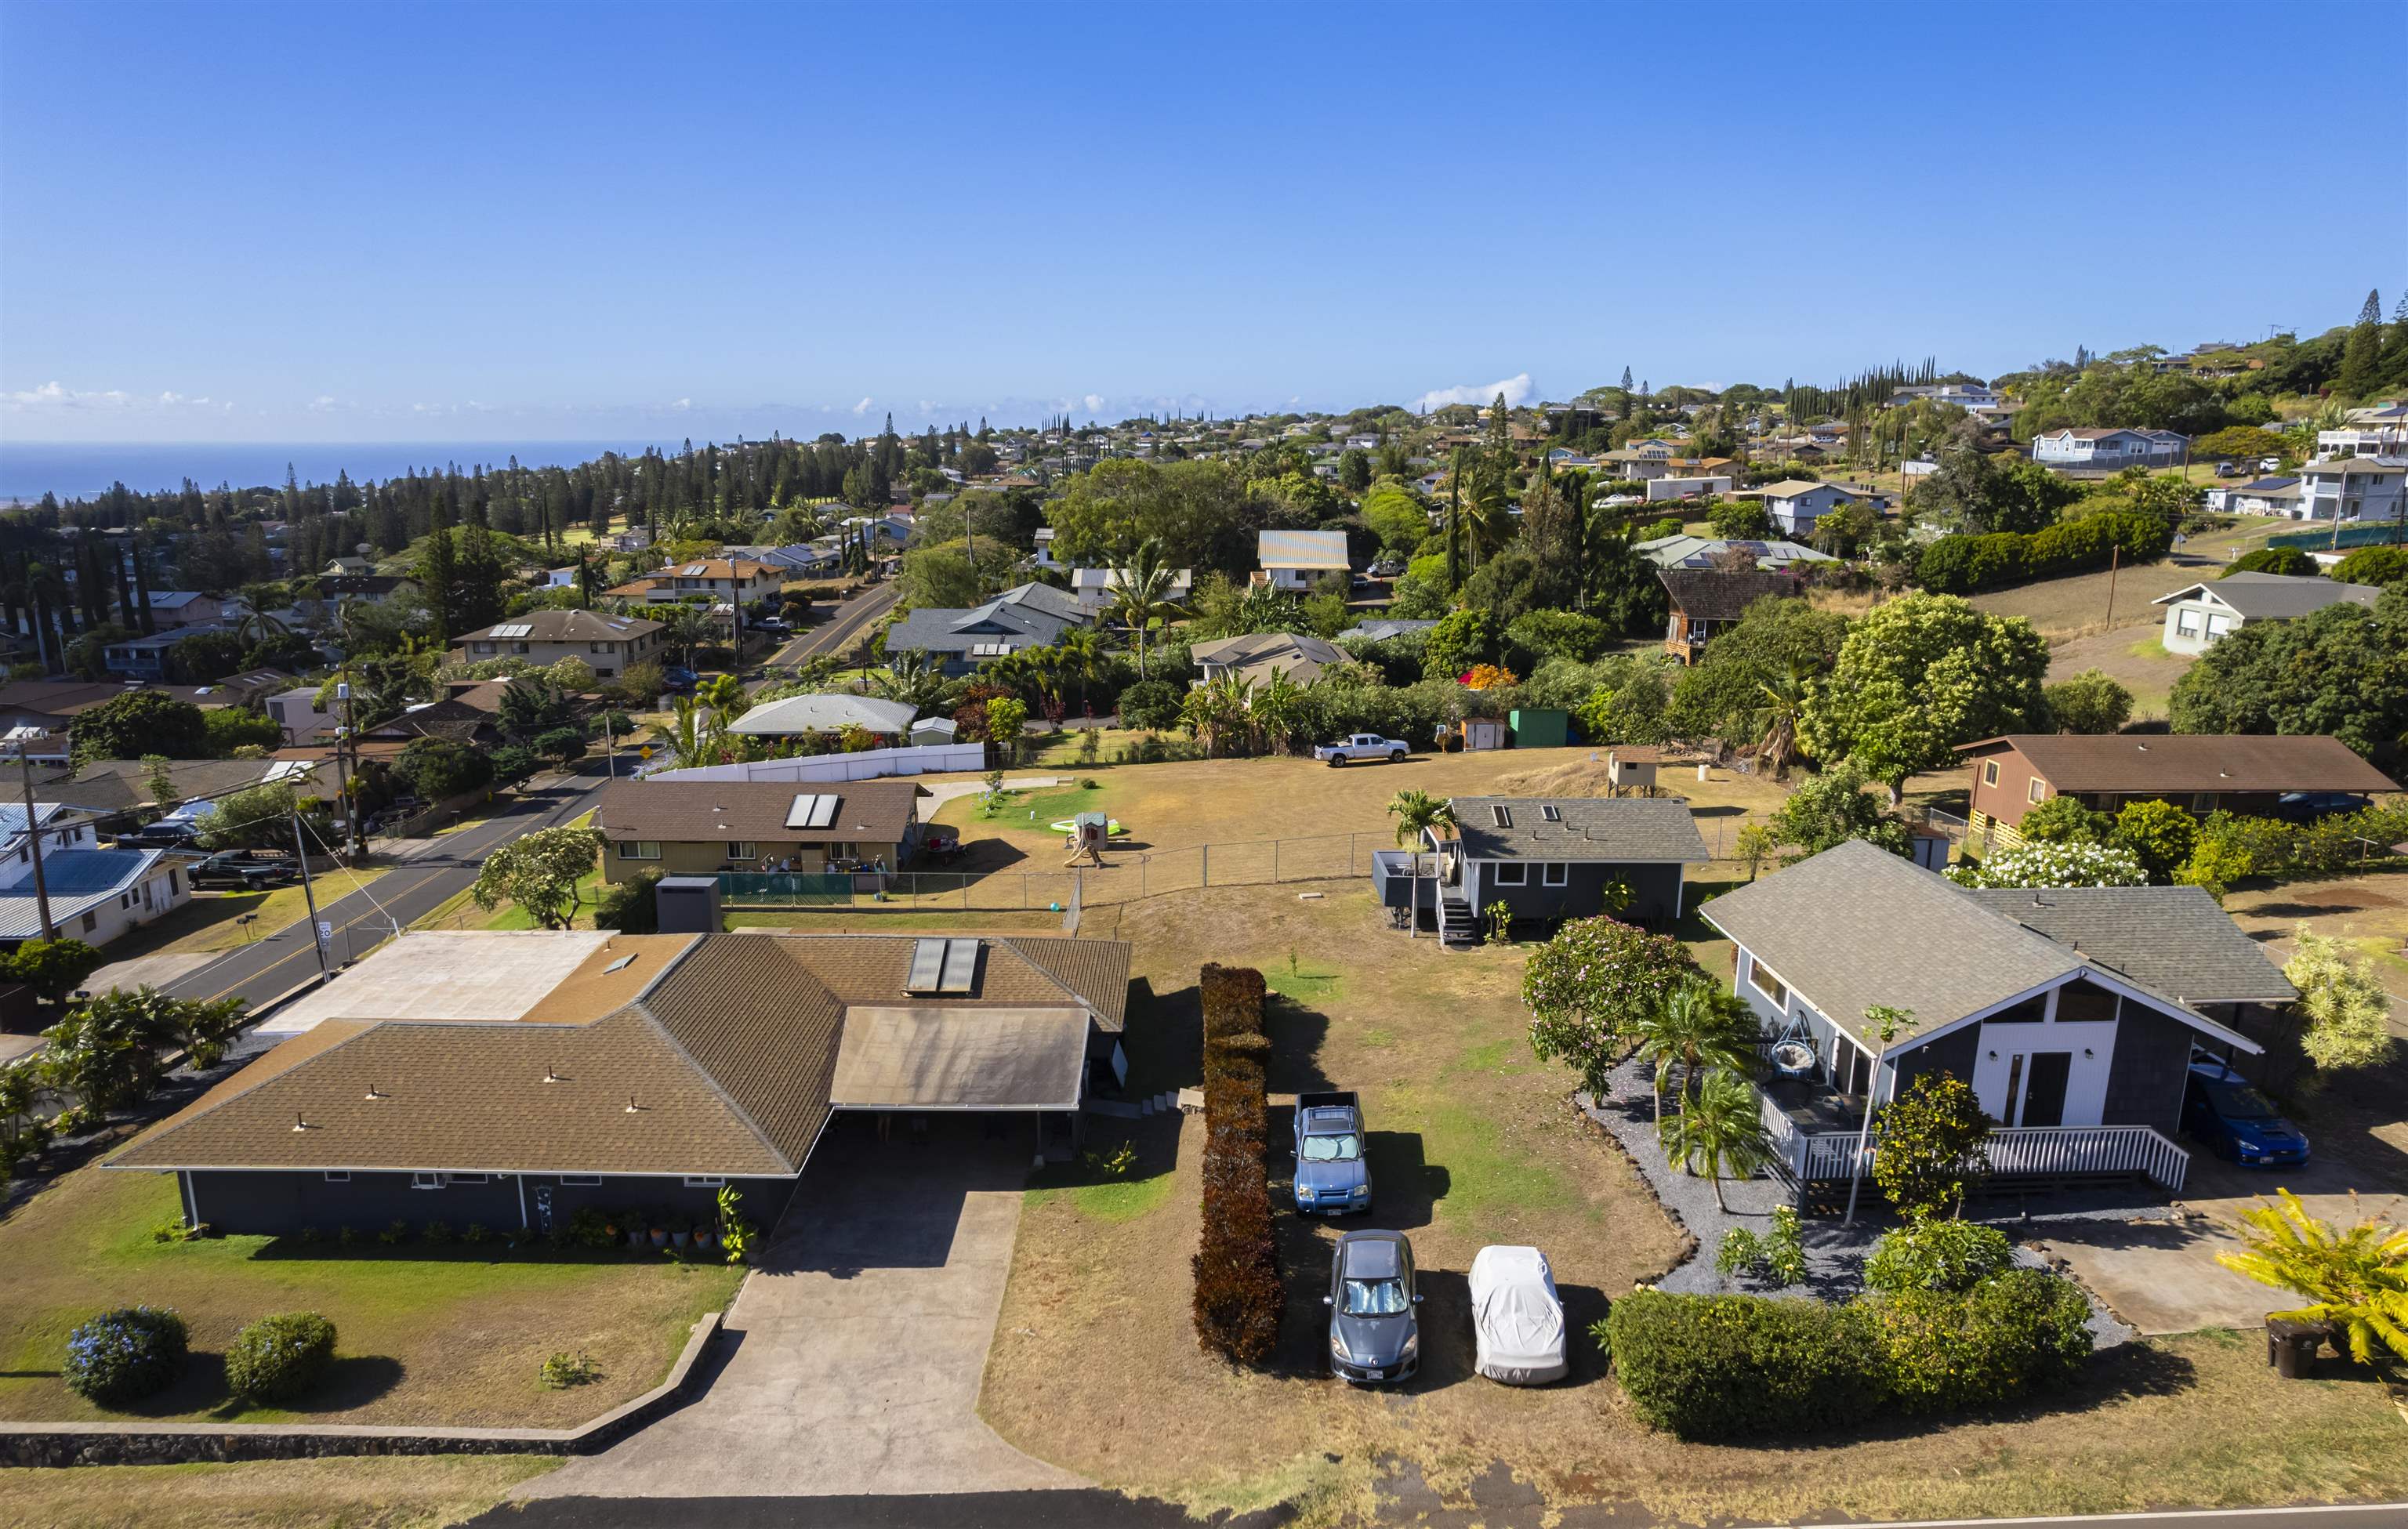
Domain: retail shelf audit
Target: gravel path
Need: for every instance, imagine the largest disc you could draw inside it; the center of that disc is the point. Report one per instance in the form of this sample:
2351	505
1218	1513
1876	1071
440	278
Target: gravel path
1835	1253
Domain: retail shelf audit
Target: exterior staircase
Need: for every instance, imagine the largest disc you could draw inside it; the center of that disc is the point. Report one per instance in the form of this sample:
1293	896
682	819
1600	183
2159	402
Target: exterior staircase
1456	923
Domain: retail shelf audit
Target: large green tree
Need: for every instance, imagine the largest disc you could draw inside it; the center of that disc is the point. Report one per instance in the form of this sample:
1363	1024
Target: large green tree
2361	373
2336	671
1918	676
139	722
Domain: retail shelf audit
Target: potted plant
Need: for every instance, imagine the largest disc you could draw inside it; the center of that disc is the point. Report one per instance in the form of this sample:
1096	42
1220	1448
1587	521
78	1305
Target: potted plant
660	1233
680	1233
701	1237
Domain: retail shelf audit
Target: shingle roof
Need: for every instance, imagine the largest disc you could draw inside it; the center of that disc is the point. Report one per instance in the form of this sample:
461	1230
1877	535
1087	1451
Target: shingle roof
2174	939
1632	829
2178	763
708	812
1722	596
1294	654
727	1057
1026	616
1857	925
2267	596
1687	551
564	626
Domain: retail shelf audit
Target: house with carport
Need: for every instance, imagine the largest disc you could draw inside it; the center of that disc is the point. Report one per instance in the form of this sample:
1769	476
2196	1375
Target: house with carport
2071	1012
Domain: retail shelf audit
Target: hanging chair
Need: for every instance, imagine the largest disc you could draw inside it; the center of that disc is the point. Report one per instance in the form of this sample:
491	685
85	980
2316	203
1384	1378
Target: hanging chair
1793	1049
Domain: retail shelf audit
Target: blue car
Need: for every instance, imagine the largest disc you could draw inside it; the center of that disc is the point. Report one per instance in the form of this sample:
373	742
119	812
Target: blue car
680	680
2240	1124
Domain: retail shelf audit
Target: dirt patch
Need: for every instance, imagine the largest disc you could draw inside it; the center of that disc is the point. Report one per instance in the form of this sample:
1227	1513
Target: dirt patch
2129	655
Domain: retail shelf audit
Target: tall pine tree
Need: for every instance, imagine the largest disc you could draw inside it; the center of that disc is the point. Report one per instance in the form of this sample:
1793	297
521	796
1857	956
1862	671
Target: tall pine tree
436	572
2360	352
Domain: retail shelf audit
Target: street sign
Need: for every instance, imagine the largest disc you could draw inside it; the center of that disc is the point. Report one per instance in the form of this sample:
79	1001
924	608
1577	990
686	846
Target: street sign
325	932
645	752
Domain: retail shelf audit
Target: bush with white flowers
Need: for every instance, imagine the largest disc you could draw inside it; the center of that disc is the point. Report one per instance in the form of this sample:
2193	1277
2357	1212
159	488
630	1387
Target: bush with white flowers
2064	864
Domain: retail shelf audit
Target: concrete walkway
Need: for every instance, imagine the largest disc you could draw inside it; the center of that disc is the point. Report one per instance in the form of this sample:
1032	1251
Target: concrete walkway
851	1362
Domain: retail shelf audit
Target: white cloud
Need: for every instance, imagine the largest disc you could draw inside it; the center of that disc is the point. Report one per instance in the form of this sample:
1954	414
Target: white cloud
326	403
1095	401
1517	389
58	395
861	409
681	406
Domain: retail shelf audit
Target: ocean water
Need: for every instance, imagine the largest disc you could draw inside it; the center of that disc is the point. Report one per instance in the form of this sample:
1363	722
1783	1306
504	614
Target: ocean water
29	469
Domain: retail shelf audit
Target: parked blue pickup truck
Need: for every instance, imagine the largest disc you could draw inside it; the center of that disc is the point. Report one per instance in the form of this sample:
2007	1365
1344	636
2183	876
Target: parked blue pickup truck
1330	1173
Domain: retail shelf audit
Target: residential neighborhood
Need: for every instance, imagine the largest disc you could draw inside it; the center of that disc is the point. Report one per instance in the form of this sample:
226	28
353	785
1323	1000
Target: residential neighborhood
1323	835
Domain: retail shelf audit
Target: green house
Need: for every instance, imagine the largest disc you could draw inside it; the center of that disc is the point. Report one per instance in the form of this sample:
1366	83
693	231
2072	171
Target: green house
1540	727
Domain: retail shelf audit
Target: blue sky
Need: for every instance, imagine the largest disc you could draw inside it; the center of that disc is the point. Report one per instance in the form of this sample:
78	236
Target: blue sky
468	223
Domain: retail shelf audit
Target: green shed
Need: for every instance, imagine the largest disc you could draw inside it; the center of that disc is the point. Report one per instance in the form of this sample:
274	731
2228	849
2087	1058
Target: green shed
1539	728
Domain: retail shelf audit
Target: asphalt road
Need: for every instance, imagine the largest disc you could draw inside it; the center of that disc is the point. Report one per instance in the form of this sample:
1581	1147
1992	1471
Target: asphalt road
1091	1508
275	964
830	635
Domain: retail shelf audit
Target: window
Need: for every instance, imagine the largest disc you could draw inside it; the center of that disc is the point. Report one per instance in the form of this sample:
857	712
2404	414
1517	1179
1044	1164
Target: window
338	1175
600	646
1556	873
1513	873
1989	772
465	1177
1761	978
743	850
2186	621
704	1180
2037	790
581	1180
640	850
90	922
426	1181
480	647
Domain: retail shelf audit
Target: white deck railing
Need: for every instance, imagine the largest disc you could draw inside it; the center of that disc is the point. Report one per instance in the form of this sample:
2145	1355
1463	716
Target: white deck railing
2023	1152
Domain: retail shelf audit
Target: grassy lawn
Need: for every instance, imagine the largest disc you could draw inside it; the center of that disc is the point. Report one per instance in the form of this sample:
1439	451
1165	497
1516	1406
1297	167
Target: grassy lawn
2133	655
448	1334
211	921
359	1493
2077	605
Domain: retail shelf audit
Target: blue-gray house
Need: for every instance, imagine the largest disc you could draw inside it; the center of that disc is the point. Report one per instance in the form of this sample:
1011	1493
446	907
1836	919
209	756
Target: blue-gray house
1026	616
1546	859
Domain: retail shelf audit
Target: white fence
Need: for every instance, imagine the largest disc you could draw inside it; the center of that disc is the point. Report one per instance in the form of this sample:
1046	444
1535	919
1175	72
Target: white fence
2020	1152
868	765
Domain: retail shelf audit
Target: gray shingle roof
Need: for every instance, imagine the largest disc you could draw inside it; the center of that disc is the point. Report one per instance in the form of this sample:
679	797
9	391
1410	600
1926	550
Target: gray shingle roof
1026	616
2268	597
2173	939
1621	829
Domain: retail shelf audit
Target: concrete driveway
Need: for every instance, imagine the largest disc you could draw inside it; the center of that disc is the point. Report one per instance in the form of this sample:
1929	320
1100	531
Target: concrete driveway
851	1362
2162	1277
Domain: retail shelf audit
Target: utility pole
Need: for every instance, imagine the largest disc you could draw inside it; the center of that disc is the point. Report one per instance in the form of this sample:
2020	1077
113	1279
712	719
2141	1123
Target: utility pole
2114	561
33	832
309	896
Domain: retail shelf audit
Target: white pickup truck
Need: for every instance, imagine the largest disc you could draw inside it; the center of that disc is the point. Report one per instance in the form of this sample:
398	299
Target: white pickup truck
1361	746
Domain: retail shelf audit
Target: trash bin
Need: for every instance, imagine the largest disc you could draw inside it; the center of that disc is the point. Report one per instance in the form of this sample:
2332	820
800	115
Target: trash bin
2291	1347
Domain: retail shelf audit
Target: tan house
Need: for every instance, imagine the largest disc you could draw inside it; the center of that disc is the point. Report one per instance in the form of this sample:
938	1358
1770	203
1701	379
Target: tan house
703	827
543	637
716	578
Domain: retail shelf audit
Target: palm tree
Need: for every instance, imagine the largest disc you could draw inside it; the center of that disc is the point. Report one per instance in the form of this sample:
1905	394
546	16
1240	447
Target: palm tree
1141	590
912	678
727	699
694	734
1719	1131
1417	813
1213	709
1699	1026
1277	710
1774	719
1490	518
1080	656
688	625
255	621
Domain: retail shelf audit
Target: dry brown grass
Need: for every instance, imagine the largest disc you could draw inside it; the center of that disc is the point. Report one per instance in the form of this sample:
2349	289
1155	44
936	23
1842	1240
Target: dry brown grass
359	1494
1095	1364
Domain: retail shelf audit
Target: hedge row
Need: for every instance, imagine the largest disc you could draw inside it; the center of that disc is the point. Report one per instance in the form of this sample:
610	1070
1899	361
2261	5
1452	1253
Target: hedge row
1749	1367
1969	565
1238	1297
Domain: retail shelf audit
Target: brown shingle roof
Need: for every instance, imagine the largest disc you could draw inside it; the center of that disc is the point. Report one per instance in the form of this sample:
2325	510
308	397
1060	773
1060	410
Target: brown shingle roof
755	1020
708	812
2190	762
1722	596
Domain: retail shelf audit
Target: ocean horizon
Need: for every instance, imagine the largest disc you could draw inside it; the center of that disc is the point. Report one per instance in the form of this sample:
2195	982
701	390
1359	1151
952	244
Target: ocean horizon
83	470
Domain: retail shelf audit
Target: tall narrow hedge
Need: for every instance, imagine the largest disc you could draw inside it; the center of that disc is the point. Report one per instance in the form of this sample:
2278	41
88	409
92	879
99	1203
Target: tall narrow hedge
1238	1297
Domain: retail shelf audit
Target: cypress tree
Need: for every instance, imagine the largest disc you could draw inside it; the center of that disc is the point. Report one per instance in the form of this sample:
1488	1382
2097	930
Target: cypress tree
2359	353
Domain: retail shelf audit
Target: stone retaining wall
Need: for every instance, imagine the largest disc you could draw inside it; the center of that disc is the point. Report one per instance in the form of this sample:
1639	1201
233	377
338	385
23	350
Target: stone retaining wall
182	1443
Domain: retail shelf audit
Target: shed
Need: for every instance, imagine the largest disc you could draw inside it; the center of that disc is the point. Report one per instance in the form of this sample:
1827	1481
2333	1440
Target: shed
1479	733
1539	728
1631	767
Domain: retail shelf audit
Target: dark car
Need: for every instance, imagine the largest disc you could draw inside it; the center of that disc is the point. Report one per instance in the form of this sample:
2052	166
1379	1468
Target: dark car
1374	1333
681	681
2238	1121
2308	806
240	869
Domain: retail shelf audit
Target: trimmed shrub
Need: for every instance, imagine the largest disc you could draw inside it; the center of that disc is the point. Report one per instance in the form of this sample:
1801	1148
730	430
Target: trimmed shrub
280	1356
1238	1297
1963	565
125	1355
1937	1254
1744	1367
2012	1336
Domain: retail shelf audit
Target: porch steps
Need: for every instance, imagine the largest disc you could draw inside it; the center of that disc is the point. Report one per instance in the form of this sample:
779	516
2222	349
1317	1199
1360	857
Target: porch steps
1456	923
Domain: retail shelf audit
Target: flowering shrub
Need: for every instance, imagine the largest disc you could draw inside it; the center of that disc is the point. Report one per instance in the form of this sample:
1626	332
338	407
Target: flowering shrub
2064	864
1487	677
279	1356
125	1355
1588	988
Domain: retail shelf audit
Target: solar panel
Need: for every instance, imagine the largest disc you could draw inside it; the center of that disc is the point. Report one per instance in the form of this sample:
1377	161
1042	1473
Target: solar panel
798	815
695	570
961	964
516	629
927	966
623	962
1503	814
824	811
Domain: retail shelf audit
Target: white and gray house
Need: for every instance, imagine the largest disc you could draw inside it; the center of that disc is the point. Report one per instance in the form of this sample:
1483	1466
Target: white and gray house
2198	615
2111	451
1546	859
2070	1011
